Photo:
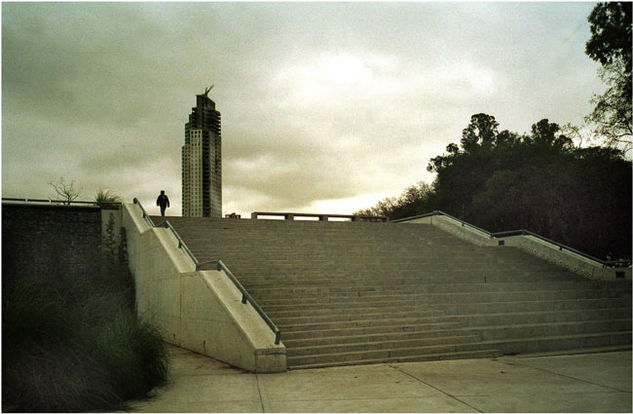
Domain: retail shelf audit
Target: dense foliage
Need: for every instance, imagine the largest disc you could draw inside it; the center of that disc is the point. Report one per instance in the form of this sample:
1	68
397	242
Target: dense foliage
611	45
500	180
75	344
414	200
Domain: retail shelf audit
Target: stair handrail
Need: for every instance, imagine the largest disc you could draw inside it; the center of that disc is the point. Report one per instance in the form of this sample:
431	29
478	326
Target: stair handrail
181	243
521	232
145	215
220	266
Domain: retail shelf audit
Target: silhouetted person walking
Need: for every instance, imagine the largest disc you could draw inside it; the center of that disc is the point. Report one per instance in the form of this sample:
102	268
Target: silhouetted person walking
163	202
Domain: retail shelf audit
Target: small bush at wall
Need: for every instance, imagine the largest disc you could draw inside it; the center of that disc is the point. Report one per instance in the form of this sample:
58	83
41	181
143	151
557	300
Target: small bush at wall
75	344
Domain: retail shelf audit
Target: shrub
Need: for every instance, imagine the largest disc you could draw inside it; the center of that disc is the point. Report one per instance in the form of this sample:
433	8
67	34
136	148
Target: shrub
75	344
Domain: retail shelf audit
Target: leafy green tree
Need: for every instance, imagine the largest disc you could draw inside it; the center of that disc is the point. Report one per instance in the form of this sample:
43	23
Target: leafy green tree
541	182
611	45
462	172
546	134
414	200
610	34
481	132
612	114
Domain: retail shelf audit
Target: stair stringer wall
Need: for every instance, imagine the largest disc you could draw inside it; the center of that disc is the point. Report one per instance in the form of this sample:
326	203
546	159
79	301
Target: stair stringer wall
197	310
529	244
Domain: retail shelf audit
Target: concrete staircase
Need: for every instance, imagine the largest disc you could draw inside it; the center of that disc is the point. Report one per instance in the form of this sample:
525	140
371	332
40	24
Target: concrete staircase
352	293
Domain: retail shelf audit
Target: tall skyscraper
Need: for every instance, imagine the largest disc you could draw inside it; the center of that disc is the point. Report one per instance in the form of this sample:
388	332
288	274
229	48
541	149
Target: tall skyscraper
202	161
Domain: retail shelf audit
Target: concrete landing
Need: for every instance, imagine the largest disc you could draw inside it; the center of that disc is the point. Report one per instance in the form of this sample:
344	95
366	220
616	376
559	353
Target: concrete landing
590	382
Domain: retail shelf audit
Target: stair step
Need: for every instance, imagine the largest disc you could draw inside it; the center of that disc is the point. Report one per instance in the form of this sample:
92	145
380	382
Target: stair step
486	353
364	330
517	331
354	293
301	319
370	323
532	306
380	345
565	342
432	298
402	335
346	289
552	316
387	354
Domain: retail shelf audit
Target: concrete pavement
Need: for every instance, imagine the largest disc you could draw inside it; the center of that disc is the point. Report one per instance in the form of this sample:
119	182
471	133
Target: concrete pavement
590	382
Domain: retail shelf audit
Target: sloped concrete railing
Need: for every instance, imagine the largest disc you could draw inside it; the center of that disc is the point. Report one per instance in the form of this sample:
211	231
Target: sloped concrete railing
531	242
197	309
220	266
146	216
246	297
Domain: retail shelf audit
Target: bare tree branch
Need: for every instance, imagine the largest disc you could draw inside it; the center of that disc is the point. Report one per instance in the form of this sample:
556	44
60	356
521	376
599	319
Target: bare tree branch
67	192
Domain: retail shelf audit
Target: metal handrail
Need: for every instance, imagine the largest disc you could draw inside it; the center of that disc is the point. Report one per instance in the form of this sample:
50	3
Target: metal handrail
181	242
521	232
219	265
145	215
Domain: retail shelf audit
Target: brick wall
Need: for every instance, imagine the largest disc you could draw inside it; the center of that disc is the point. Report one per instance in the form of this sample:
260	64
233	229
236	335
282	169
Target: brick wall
49	240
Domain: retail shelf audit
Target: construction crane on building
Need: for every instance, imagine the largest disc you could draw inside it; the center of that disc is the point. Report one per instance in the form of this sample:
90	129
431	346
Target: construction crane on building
206	90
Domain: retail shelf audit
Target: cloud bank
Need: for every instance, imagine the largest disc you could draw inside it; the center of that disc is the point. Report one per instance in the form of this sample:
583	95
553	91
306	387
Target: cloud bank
325	106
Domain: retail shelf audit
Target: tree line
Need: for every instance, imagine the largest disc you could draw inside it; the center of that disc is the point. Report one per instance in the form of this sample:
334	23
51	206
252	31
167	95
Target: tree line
542	182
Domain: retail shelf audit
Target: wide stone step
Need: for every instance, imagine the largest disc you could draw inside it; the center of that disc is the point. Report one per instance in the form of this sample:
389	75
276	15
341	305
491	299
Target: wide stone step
348	307
385	284
418	309
378	337
505	325
346	317
324	278
387	354
557	343
343	289
446	304
369	330
415	310
441	355
381	345
446	297
578	304
410	320
513	316
300	271
316	293
537	330
507	346
551	316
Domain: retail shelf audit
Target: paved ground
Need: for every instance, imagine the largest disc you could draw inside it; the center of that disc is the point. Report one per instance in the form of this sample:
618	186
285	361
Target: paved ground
592	382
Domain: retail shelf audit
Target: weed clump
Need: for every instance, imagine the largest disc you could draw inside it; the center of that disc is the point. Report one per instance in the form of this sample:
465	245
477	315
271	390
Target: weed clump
75	344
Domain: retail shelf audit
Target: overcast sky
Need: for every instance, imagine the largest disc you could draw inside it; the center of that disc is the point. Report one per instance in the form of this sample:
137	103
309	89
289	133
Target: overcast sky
326	107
